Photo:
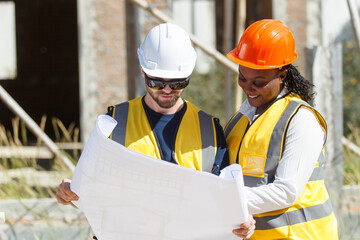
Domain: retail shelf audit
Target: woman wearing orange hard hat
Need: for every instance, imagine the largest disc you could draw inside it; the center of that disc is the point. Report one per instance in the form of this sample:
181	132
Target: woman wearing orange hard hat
278	139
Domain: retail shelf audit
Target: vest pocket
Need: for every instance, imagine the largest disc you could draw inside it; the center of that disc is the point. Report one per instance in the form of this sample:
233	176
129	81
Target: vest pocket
253	165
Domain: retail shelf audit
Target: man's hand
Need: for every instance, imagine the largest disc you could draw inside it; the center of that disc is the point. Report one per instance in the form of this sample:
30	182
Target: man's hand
64	195
246	229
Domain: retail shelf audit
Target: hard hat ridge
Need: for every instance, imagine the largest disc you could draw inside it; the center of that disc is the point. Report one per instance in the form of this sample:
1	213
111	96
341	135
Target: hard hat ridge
167	52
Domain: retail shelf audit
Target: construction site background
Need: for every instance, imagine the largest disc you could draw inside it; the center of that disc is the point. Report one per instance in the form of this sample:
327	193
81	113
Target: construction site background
75	58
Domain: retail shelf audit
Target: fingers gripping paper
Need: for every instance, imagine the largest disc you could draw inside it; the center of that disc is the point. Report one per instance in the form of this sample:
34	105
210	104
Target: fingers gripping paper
127	195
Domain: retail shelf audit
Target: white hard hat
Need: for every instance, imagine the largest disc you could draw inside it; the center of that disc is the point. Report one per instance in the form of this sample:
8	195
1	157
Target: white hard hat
167	52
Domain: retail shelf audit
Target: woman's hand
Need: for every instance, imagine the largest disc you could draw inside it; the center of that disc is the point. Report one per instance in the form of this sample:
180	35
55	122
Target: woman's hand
246	229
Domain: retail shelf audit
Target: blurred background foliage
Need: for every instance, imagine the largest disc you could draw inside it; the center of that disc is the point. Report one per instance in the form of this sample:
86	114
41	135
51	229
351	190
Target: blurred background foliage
206	91
351	87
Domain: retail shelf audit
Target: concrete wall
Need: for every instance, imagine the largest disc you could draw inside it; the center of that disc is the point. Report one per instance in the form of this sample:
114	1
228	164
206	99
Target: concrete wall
198	18
8	68
103	65
295	18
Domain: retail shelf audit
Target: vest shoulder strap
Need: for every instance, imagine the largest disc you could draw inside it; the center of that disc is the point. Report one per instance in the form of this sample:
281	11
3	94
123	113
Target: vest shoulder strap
120	114
232	123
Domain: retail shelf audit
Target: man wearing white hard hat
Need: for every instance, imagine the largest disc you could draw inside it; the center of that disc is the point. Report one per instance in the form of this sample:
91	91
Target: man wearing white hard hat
161	124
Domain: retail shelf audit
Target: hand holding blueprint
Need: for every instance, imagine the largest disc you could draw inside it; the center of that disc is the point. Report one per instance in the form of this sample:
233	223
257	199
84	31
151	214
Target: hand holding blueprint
127	195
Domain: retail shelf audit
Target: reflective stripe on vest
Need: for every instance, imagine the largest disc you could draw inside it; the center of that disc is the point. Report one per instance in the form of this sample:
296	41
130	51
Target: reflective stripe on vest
294	217
207	140
275	145
206	124
120	113
232	123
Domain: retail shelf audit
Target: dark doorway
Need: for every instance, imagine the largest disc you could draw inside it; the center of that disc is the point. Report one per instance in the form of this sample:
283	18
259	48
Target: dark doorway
47	62
255	10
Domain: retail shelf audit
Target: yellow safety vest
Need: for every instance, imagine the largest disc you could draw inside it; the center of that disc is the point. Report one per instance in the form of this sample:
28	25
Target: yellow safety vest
258	149
195	140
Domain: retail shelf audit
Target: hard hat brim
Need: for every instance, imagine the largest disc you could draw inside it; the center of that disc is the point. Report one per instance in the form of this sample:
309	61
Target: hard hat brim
166	74
231	56
161	73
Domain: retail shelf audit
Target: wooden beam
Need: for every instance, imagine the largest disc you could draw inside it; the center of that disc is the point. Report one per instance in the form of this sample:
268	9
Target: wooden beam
353	147
39	152
33	177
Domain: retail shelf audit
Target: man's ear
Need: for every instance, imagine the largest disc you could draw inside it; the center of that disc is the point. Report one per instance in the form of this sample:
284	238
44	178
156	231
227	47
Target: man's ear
142	71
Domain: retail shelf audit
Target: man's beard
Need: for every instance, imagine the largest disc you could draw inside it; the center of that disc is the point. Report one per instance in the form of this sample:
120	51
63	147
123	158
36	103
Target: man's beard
167	103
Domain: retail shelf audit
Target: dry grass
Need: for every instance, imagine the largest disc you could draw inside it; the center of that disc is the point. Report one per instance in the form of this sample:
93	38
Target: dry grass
17	188
352	160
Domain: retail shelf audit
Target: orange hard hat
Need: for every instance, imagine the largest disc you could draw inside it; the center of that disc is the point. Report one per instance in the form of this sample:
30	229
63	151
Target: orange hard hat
265	44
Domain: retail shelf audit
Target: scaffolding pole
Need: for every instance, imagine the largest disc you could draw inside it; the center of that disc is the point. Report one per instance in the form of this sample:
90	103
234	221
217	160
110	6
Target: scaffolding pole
355	22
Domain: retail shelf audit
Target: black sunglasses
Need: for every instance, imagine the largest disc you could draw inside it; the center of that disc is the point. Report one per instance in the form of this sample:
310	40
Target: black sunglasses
177	84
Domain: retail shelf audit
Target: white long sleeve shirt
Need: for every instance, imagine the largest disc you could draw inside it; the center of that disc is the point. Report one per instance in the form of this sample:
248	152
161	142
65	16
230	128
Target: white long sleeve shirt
303	145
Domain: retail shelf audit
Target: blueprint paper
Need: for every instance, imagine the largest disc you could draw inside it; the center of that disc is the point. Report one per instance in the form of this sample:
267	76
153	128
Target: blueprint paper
130	196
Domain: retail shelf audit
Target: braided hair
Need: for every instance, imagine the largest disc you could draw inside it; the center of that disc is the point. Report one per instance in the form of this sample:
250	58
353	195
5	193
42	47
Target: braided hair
296	83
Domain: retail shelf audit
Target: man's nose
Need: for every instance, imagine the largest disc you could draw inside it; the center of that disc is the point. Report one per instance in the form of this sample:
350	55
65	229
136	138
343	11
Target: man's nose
167	88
